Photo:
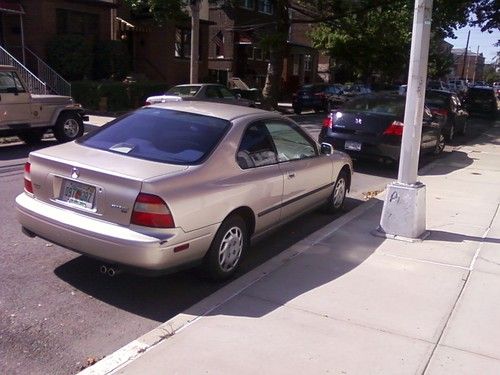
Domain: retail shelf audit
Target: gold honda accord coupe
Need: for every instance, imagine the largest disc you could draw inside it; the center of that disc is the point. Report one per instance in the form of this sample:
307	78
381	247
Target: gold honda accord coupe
179	184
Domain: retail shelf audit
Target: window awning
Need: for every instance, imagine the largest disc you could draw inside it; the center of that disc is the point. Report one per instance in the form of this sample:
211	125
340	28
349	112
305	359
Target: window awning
11	7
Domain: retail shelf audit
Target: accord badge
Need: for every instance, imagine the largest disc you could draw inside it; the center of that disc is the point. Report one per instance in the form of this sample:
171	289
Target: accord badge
75	173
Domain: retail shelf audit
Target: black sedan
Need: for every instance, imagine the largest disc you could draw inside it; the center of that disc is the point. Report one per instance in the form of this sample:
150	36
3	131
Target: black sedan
447	105
371	126
482	101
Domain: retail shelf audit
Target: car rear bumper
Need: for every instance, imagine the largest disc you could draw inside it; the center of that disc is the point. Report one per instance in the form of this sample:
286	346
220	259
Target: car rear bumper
370	149
109	242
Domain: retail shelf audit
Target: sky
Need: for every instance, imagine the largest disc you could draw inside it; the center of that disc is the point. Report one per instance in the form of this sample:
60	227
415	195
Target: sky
485	41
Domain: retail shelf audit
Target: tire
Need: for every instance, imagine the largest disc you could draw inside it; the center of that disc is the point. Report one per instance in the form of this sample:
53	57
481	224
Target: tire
226	251
439	148
69	126
32	137
337	198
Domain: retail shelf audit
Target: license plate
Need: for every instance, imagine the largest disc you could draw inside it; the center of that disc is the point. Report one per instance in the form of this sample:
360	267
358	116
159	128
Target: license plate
78	194
351	145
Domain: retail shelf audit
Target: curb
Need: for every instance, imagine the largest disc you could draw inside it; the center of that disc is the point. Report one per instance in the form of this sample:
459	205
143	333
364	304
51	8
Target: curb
135	349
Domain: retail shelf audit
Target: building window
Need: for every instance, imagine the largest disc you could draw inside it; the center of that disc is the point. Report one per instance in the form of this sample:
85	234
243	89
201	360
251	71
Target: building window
248	4
80	23
307	63
219	45
257	53
265	6
182	43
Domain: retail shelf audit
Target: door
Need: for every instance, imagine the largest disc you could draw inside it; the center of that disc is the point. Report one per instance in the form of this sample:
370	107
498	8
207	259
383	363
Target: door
307	174
15	101
262	177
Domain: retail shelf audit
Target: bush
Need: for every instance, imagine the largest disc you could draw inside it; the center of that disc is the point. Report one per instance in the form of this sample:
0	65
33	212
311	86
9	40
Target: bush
111	59
120	96
70	56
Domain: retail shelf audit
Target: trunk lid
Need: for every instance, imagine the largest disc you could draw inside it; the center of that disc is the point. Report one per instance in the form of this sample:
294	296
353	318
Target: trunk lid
94	182
368	124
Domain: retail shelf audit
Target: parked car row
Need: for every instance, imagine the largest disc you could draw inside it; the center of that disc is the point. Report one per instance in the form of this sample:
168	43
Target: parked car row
324	97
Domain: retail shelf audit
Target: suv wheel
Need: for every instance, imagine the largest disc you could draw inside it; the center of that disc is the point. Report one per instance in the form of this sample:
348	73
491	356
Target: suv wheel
69	126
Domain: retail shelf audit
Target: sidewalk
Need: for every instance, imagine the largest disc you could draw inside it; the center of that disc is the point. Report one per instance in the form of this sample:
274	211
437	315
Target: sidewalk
345	302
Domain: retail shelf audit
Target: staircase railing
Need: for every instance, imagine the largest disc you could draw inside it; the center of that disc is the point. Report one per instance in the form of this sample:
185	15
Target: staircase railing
52	79
35	85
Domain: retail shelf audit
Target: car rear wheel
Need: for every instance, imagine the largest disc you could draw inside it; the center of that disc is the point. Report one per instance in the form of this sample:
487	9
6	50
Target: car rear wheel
69	126
31	137
337	198
225	253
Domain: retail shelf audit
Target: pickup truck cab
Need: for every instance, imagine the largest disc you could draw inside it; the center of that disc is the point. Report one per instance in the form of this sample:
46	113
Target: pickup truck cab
29	116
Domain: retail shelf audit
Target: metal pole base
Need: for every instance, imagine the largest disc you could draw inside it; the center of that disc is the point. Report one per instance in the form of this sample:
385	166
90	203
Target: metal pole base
403	215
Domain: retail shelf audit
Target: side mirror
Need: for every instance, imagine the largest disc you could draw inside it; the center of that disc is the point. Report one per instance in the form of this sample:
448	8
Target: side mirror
326	149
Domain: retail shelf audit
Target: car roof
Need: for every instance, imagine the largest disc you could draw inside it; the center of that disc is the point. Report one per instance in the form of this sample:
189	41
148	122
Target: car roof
220	110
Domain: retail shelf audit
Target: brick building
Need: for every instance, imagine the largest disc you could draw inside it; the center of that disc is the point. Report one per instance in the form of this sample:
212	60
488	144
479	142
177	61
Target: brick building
470	64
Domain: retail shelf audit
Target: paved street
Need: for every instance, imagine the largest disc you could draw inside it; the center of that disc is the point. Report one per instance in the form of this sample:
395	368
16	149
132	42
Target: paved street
57	311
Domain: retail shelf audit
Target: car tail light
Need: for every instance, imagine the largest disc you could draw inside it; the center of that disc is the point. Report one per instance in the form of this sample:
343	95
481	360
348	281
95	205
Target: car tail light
328	122
396	128
320	95
147	103
151	211
28	187
440	112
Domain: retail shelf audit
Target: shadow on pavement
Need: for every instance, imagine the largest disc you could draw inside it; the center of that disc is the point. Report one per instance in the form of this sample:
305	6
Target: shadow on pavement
455	160
438	235
161	298
12	151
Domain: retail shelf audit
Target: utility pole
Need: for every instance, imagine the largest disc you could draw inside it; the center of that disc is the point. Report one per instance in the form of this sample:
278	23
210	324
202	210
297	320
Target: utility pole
194	6
475	66
403	216
465	55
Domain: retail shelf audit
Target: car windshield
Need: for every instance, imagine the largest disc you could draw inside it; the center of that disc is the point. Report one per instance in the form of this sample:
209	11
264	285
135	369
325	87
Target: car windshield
160	135
183	90
382	105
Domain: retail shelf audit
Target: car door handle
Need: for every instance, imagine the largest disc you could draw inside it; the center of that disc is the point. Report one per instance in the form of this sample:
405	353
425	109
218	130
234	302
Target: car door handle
291	175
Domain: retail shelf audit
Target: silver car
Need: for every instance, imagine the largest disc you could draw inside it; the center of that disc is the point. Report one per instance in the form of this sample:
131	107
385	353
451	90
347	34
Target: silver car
208	92
178	184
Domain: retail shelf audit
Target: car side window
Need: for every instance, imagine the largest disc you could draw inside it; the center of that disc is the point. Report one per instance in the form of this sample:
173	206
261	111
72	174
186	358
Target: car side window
10	83
225	93
212	92
256	148
290	143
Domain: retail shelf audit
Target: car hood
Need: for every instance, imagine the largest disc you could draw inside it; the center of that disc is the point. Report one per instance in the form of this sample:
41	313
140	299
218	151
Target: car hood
52	99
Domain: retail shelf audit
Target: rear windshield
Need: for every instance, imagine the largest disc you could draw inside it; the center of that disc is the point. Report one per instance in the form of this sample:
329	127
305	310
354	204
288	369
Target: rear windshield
160	135
183	90
382	105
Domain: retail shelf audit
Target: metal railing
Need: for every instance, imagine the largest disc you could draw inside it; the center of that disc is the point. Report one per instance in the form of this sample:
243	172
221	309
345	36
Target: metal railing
52	79
35	85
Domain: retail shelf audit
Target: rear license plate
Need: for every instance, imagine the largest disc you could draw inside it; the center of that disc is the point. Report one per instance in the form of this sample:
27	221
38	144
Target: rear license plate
78	194
351	145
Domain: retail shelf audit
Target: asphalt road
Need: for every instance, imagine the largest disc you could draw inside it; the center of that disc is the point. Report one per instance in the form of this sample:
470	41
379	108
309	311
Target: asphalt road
57	311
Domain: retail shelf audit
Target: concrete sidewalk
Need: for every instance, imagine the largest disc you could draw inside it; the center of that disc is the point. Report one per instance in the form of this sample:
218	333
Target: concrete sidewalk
345	302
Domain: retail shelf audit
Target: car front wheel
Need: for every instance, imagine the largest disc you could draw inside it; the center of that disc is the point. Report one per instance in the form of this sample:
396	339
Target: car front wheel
225	253
69	126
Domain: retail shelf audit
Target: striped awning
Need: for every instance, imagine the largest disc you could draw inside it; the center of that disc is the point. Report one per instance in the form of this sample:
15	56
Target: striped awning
11	7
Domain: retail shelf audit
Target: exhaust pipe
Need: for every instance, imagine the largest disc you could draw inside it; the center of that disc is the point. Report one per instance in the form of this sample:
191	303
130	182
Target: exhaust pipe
113	271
